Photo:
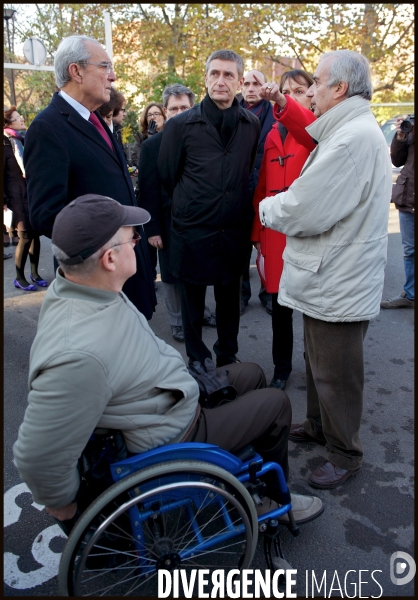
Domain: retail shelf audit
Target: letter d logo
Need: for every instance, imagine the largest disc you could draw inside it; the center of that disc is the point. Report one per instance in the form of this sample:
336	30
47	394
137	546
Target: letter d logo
398	568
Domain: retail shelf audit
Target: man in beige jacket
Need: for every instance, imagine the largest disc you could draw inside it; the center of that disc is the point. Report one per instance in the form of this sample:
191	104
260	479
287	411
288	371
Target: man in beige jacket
335	217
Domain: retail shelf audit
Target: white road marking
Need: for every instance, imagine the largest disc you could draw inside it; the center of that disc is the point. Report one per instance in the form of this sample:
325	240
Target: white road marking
41	551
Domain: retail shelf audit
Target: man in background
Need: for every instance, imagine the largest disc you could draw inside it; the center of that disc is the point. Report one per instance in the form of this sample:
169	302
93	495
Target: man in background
402	152
263	110
176	99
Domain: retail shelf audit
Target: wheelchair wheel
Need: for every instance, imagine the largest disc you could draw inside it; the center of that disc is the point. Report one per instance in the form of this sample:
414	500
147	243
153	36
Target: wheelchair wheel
177	515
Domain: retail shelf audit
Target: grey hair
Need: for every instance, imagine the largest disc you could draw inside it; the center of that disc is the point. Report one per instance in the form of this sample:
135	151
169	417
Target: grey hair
352	68
227	55
71	49
177	90
87	267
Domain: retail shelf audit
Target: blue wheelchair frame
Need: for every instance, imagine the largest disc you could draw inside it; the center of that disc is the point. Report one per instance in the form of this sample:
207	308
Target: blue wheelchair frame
244	470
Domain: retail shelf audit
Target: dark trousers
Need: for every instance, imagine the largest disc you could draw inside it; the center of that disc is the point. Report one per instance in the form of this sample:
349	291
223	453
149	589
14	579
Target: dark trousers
227	298
259	416
282	324
153	259
334	387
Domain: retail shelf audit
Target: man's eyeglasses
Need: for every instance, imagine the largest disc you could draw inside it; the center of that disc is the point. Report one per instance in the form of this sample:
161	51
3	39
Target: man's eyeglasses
103	65
175	109
154	115
134	240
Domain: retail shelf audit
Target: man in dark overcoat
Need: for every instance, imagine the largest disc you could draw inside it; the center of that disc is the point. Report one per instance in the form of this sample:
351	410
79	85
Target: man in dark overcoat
263	110
70	151
153	197
206	157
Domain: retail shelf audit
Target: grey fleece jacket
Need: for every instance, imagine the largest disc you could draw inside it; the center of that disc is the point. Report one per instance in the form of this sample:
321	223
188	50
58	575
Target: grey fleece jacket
95	362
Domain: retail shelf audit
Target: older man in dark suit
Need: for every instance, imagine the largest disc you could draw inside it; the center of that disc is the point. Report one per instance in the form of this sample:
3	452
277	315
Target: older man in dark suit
70	151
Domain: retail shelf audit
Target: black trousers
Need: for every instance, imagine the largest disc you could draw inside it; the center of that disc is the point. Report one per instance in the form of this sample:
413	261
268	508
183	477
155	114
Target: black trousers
259	416
227	298
282	348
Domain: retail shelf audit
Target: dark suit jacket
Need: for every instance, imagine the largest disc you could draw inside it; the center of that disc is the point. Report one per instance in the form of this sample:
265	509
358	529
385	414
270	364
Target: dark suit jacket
66	157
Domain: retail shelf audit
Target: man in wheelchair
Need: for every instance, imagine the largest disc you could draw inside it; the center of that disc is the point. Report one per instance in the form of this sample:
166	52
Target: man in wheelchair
96	363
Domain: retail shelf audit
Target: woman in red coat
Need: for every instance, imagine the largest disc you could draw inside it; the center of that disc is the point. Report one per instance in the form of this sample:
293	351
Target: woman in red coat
287	147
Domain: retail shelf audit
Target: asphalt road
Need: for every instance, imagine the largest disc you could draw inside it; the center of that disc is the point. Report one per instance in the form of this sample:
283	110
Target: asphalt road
364	522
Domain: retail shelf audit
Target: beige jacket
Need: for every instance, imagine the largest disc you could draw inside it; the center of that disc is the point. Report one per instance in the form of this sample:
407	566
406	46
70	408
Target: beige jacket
95	362
335	216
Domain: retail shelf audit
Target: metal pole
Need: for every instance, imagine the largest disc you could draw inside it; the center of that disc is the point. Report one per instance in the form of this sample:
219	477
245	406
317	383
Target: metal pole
26	67
108	35
12	78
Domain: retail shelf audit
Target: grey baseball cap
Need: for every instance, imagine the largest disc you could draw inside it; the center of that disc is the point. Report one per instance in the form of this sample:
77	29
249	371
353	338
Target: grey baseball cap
89	221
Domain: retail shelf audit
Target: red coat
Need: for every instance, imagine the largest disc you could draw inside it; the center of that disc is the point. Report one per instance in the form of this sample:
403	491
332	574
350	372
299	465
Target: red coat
274	177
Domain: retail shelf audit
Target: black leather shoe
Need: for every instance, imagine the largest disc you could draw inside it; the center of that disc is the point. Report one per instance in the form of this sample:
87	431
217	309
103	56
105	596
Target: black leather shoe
280	384
299	434
7	255
178	334
329	476
210	321
268	306
221	361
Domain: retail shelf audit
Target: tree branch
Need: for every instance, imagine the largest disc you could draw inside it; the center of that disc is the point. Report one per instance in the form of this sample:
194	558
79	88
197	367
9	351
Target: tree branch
166	19
144	14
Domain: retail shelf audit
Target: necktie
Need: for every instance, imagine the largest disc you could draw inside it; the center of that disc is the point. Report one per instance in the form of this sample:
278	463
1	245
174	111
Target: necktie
95	120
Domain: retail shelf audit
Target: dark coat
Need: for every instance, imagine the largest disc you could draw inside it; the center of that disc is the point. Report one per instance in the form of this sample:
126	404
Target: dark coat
266	122
402	153
139	138
15	192
155	200
117	132
212	210
66	157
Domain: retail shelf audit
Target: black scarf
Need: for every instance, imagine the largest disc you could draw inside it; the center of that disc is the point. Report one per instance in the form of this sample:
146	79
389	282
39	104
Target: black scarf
225	121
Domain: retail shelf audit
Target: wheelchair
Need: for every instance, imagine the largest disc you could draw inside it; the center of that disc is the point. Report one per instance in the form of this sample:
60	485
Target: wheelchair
181	506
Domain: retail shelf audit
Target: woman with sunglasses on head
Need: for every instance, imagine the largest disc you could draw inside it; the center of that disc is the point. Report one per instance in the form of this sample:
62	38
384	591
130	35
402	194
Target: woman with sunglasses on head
16	199
287	147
